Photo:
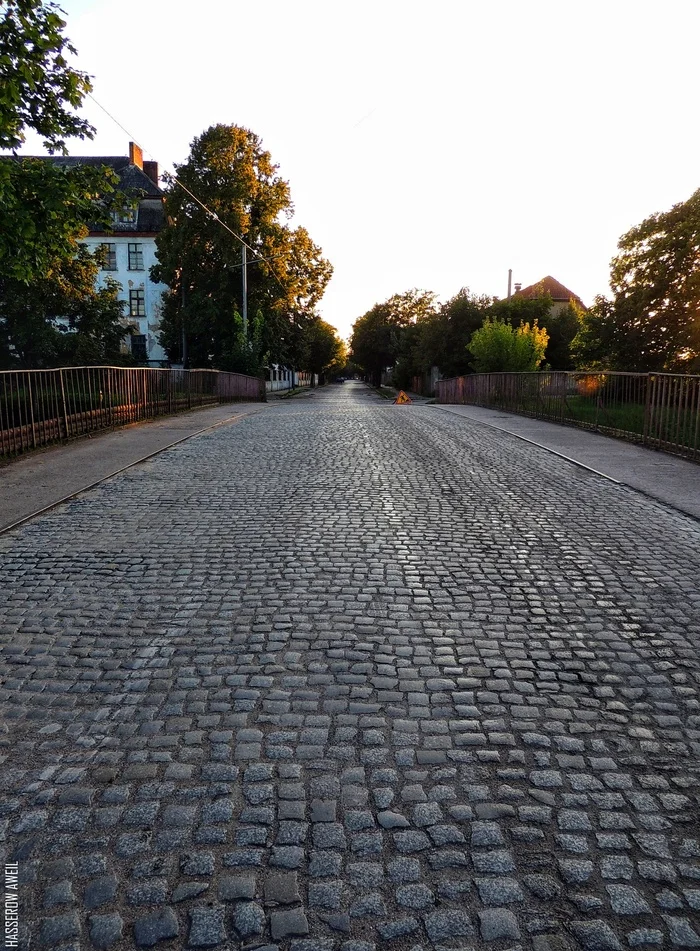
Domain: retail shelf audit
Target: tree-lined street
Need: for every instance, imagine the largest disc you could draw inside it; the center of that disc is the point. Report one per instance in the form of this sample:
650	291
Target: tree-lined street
352	676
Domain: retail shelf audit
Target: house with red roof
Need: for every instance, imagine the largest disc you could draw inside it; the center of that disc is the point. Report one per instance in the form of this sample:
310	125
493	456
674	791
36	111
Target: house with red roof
561	296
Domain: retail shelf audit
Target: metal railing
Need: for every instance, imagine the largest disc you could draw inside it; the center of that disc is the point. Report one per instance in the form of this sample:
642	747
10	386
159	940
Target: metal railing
39	407
660	410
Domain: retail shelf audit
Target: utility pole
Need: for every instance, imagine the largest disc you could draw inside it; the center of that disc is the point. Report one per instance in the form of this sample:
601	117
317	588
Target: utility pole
183	342
244	270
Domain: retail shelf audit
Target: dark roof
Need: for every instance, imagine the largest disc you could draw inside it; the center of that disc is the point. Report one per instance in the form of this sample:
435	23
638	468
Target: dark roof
548	285
130	176
132	180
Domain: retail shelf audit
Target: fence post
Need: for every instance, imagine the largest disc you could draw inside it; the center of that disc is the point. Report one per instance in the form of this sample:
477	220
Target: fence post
63	400
647	409
31	407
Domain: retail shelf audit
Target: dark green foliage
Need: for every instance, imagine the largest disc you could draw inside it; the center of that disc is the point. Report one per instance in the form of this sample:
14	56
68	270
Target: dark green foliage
233	175
445	341
652	321
323	349
45	209
30	335
381	336
37	82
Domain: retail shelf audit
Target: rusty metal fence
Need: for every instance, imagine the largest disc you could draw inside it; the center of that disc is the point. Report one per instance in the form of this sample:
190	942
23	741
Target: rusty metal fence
39	407
660	410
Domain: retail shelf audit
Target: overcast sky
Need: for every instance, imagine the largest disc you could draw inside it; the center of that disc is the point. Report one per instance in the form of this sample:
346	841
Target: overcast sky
430	145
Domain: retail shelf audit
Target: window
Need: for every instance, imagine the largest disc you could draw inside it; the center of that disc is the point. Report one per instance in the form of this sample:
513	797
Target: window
108	256
137	303
138	347
127	213
136	257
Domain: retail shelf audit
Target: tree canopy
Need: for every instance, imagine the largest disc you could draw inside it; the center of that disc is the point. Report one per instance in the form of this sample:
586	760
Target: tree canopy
324	351
32	338
497	347
378	337
45	208
200	260
652	320
440	336
40	90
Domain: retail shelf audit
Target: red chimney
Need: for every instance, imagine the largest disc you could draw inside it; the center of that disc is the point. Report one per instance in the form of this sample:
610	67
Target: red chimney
135	155
151	169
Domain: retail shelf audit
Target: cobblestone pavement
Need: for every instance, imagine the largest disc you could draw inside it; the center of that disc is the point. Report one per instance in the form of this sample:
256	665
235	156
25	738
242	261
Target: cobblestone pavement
350	676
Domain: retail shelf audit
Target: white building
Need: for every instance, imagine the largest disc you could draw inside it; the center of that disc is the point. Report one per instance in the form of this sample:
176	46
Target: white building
129	249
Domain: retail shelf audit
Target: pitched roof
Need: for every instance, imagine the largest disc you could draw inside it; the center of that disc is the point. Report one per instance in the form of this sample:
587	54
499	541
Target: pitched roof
132	180
130	176
548	285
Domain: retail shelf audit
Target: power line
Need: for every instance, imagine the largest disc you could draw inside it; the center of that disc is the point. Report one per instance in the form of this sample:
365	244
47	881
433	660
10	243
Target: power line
212	214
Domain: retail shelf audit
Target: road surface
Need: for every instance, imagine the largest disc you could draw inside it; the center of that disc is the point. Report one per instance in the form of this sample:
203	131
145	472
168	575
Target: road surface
348	676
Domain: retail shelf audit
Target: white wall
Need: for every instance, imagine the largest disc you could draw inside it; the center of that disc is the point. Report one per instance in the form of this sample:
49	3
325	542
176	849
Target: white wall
282	378
136	280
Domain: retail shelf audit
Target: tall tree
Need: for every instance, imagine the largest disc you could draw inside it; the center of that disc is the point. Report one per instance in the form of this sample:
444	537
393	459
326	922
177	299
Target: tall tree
323	350
445	340
378	336
200	260
652	321
45	209
40	90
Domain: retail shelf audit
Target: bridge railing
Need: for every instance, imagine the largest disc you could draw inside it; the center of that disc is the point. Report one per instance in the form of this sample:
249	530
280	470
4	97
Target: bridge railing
40	407
660	410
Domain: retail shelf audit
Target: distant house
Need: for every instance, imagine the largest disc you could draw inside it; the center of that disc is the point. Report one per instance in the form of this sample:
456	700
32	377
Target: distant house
129	248
561	296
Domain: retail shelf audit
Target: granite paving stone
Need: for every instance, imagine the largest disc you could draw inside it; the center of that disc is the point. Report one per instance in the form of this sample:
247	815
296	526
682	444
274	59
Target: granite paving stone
349	676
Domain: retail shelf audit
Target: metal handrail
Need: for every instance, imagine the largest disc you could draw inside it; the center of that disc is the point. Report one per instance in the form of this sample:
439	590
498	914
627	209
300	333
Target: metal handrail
40	407
660	410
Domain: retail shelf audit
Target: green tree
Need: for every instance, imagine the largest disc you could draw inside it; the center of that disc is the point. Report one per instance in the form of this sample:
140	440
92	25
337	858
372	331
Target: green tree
444	339
323	351
521	310
40	90
497	347
200	260
652	321
45	208
562	324
31	337
379	337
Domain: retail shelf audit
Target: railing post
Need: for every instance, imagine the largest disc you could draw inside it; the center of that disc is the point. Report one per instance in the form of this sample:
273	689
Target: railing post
647	409
31	407
63	400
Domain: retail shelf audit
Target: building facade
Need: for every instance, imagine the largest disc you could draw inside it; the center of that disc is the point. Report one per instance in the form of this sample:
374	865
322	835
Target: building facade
128	249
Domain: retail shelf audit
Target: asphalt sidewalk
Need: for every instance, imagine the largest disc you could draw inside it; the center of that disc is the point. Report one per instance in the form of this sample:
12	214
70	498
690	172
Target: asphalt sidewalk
658	475
45	477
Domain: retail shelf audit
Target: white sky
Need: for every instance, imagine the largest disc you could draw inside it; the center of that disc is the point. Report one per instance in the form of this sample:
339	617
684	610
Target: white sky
431	145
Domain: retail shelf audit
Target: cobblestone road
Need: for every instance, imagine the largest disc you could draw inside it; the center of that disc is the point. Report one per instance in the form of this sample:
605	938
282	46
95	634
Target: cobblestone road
353	676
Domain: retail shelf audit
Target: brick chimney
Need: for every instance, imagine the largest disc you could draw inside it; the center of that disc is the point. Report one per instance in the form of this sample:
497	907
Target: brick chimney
135	155
151	169
517	287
